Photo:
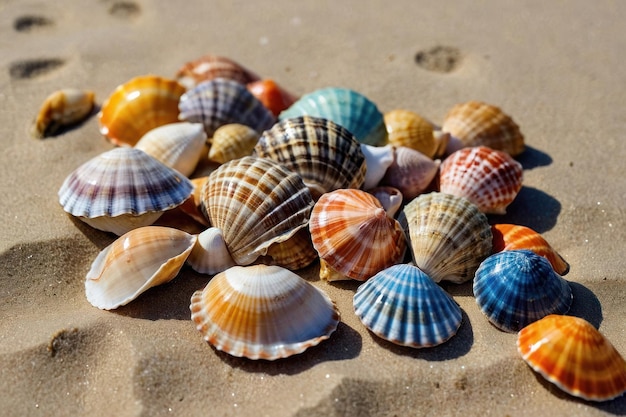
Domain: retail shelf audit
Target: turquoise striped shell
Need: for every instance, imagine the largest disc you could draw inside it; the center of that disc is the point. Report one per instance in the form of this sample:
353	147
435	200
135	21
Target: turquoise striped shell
345	107
403	305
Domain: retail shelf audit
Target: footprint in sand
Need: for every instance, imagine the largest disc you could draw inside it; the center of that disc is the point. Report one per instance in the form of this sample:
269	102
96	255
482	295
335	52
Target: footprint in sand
30	23
33	68
124	9
439	59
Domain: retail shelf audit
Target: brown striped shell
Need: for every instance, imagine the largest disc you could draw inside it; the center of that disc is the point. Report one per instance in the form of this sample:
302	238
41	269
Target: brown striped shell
208	67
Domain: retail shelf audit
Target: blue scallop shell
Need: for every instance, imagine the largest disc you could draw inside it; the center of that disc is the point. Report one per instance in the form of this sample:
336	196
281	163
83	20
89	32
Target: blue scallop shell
518	287
345	107
221	101
403	305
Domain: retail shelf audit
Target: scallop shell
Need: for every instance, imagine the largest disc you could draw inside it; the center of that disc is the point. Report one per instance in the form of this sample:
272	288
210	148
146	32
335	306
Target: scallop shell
209	67
140	259
353	234
210	254
479	124
63	108
403	305
511	237
324	154
573	355
177	145
411	172
192	206
407	128
220	101
489	178
273	96
232	141
262	312
377	159
255	202
122	189
515	288
449	236
138	106
346	108
294	253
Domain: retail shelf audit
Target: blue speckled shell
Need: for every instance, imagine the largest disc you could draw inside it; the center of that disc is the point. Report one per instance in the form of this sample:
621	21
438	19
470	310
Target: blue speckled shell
518	287
345	107
403	305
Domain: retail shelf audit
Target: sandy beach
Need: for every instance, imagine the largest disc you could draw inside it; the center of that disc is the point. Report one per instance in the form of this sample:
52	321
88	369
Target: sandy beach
555	67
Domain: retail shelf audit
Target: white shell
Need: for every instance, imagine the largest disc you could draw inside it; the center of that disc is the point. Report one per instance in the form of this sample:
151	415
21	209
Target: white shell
210	254
377	160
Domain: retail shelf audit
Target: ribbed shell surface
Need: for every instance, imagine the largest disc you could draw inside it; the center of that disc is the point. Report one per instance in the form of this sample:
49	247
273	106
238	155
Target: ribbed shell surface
256	202
515	288
403	305
406	128
345	107
209	67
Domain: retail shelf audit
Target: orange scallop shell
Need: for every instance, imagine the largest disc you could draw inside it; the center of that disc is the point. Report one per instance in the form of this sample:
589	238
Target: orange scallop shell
272	95
571	353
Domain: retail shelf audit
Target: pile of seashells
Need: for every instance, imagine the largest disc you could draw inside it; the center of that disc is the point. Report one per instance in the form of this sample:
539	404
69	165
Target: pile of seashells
324	176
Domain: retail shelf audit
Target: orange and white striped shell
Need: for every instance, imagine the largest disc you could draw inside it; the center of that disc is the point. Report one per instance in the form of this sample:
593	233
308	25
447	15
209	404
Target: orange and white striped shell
209	67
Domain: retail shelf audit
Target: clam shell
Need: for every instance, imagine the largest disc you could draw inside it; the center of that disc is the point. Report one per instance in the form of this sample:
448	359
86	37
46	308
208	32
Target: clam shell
177	145
294	253
138	106
346	108
262	312
377	159
273	96
515	288
210	254
489	178
63	108
255	202
232	141
409	129
324	154
133	263
480	124
122	189
573	355
411	172
209	67
449	236
353	234
220	101
511	237
403	305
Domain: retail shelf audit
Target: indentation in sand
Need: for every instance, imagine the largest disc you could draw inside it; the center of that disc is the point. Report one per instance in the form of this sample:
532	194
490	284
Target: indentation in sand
33	68
124	9
442	59
29	23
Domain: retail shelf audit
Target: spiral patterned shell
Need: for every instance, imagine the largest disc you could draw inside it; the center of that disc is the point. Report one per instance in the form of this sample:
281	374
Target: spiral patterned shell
209	67
324	154
515	288
346	108
403	305
255	202
449	236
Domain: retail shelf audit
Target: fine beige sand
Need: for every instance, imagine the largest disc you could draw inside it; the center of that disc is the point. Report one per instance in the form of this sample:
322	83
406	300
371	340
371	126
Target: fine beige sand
556	67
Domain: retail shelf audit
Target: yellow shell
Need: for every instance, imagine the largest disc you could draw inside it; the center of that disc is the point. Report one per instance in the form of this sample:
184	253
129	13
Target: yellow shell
232	141
406	128
62	108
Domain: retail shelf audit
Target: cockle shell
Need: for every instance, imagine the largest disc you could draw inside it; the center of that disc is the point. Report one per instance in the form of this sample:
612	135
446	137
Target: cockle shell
411	172
210	254
353	234
220	101
515	288
122	189
255	202
177	145
407	128
324	154
136	261
63	108
294	253
489	178
573	355
377	159
262	312
511	236
480	124
403	305
232	141
273	96
138	106
345	107
449	236
209	67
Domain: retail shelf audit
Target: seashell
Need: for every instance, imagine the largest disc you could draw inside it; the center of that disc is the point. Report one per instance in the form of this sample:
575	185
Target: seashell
192	206
324	154
220	101
232	141
511	237
377	159
63	108
346	108
138	260
411	172
138	106
353	234
403	305
389	197
515	288
210	254
255	202
122	189
294	253
573	355
273	96
262	312
177	145
480	124
209	67
449	236
488	178
409	129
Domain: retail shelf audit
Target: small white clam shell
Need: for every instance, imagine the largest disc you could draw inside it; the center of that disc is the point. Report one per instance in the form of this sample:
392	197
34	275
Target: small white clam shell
210	254
377	160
